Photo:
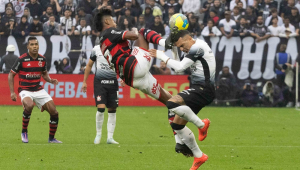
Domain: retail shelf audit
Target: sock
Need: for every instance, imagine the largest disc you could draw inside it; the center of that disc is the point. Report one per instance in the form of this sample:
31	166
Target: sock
171	117
150	35
187	136
186	113
162	42
53	126
99	122
111	124
26	118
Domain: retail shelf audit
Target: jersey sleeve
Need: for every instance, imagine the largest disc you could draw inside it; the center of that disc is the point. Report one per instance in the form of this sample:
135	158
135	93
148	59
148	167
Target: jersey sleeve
45	66
17	66
93	55
195	53
116	35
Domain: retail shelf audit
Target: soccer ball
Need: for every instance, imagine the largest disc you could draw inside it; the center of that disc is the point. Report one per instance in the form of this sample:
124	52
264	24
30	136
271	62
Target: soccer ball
180	21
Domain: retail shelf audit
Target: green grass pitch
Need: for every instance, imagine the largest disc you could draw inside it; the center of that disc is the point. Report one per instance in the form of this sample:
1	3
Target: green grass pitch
238	139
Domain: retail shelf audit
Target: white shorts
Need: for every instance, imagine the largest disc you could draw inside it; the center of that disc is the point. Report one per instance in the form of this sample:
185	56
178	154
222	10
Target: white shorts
142	78
40	97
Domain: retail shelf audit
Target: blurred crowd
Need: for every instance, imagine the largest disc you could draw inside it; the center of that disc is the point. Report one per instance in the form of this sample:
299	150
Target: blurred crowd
258	18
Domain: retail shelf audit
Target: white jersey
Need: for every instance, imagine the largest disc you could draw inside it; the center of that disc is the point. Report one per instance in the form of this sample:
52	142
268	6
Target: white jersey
204	67
104	70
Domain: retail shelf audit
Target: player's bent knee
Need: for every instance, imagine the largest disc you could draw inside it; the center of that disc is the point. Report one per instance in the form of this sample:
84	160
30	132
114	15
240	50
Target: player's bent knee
101	110
177	126
171	105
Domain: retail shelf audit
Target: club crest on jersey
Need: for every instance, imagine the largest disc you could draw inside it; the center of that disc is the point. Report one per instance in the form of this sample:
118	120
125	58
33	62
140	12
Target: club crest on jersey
98	98
40	64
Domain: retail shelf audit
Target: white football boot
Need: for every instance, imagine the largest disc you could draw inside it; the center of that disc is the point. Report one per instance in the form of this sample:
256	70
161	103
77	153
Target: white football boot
97	139
111	141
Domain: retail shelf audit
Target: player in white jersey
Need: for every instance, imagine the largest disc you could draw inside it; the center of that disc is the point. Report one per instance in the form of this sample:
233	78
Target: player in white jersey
106	90
188	103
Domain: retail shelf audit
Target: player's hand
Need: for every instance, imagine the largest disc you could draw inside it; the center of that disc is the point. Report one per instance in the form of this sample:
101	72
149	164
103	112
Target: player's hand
13	96
135	30
84	87
54	81
152	53
123	84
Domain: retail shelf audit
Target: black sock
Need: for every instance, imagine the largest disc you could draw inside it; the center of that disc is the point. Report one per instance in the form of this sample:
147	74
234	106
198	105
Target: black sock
26	118
53	126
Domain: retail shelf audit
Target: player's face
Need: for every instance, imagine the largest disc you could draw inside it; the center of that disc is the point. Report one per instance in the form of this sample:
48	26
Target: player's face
111	22
33	46
185	43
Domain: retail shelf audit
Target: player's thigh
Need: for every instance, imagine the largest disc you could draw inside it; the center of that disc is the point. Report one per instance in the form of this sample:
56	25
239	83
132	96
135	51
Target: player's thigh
100	94
148	85
40	98
144	62
50	107
112	97
141	42
194	99
27	99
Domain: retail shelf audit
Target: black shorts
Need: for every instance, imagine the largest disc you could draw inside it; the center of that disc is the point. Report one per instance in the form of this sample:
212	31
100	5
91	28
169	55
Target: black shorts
198	96
106	92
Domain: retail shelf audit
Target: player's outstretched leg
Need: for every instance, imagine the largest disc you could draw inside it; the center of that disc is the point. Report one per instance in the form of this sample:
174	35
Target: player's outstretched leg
186	113
28	106
111	125
53	124
99	122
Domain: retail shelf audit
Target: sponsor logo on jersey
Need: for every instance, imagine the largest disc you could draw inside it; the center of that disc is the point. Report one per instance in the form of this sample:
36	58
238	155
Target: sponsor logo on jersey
116	32
27	59
33	75
98	98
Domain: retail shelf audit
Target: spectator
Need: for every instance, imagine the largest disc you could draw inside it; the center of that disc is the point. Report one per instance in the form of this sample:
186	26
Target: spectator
149	18
2	6
250	16
158	26
163	69
226	85
118	6
275	30
295	18
155	9
205	10
274	14
234	3
82	68
259	30
130	19
257	7
141	22
81	14
27	14
136	7
67	23
131	11
36	28
125	24
51	27
68	5
191	6
213	15
272	95
211	30
7	16
96	33
287	11
83	28
227	25
236	15
49	12
2	27
225	5
242	11
88	5
56	9
167	17
8	59
172	4
282	5
266	8
242	29
10	27
287	29
218	9
22	28
194	28
280	61
65	66
249	97
35	8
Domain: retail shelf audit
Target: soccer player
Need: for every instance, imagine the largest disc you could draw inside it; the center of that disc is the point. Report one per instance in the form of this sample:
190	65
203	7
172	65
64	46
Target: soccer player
106	90
31	67
132	65
188	103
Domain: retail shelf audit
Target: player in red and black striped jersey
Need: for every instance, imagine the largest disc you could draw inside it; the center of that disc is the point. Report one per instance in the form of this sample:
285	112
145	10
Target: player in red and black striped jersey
31	67
132	65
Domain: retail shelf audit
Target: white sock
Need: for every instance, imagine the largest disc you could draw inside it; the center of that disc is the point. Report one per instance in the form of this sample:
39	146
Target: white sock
99	122
187	136
111	124
178	140
186	113
162	42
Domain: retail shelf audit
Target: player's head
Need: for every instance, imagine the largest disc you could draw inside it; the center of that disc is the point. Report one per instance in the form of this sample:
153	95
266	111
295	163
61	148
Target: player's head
104	20
33	45
183	40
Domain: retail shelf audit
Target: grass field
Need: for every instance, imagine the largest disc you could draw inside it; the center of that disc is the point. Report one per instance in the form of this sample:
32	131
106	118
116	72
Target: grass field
238	139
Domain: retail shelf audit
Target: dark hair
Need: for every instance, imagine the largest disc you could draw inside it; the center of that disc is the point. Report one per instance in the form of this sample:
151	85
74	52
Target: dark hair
211	21
98	23
181	34
273	10
31	38
49	6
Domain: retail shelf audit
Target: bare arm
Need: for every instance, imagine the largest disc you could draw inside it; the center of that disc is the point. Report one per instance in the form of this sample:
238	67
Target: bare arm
131	35
87	72
58	8
47	78
222	30
11	77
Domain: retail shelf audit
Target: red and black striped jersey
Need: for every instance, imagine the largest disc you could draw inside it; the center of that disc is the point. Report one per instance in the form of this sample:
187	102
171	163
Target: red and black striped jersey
113	43
30	71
